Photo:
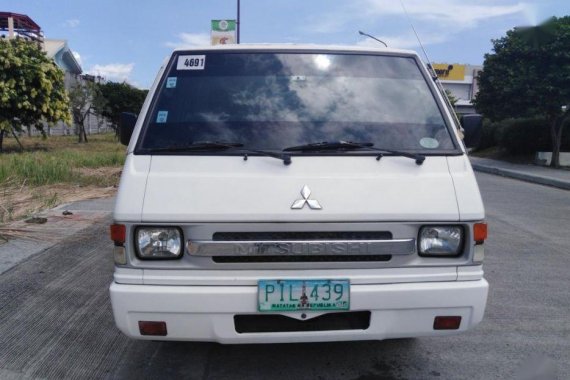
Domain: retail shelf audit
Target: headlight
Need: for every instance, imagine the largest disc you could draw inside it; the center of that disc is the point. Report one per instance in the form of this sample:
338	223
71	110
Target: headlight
158	242
440	241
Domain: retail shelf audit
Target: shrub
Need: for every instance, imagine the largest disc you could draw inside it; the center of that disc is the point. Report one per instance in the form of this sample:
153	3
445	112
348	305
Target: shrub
488	135
526	136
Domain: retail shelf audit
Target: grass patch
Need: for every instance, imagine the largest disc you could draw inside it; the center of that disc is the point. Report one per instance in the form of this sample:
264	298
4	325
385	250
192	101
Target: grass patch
60	160
56	170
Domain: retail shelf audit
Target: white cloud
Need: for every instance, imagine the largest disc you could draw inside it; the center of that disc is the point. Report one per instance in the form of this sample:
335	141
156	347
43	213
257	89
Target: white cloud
437	21
187	40
71	23
451	12
77	57
434	14
113	71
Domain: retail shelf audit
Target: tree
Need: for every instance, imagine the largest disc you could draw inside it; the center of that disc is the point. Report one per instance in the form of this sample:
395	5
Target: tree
120	97
85	99
31	88
529	75
451	97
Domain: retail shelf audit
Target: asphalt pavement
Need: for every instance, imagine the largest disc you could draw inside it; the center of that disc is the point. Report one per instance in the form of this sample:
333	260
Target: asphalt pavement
57	321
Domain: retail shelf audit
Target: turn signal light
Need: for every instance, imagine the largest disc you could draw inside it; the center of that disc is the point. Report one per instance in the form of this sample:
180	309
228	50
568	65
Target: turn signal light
479	232
118	233
446	323
152	328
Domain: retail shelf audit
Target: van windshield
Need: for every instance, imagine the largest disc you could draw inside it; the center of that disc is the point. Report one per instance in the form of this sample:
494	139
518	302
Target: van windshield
274	100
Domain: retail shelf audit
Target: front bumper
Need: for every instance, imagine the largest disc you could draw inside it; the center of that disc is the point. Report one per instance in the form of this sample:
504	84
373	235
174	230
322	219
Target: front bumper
205	313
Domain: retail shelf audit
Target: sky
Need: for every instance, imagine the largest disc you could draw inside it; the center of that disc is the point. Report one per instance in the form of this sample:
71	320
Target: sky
128	40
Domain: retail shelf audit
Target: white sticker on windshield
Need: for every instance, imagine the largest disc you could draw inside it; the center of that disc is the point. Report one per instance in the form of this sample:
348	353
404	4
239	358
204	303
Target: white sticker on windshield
191	62
171	82
162	116
429	143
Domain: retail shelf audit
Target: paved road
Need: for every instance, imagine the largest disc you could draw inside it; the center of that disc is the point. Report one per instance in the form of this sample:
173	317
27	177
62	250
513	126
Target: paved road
56	320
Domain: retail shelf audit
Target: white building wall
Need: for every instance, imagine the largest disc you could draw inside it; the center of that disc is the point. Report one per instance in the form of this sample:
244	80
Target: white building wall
459	90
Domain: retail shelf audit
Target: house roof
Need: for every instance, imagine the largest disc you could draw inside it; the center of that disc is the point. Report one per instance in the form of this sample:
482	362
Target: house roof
23	22
60	52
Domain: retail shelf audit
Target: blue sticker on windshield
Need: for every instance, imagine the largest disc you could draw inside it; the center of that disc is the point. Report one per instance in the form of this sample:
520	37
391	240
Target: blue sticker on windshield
162	116
171	82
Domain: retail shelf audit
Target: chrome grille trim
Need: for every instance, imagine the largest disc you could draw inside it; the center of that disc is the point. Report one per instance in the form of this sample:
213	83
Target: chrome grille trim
301	235
301	248
301	259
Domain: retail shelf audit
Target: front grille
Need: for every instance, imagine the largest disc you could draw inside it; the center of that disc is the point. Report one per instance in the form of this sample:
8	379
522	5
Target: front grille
356	320
302	259
302	235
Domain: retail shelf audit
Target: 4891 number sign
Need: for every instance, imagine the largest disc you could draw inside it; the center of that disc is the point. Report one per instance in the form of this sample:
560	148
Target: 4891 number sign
191	62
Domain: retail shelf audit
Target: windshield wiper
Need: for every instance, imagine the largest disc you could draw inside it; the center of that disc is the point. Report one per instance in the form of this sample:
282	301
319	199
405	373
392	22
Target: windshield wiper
349	145
210	146
198	146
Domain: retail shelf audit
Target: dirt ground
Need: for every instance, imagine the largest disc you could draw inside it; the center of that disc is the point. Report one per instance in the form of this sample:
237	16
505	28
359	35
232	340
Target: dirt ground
17	202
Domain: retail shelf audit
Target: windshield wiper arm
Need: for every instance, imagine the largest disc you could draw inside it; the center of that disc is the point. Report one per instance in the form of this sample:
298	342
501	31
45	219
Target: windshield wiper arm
286	158
207	146
420	158
348	145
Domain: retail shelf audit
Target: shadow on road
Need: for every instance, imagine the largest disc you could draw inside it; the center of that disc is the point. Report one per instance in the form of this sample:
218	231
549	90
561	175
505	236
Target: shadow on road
346	360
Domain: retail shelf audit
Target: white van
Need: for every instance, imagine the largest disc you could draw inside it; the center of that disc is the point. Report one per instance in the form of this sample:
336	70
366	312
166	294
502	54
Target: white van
296	194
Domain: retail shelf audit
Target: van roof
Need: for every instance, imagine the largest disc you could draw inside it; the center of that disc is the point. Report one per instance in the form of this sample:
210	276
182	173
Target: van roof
303	47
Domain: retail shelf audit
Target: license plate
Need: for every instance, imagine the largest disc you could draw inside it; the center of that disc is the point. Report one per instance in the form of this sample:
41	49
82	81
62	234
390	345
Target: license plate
293	295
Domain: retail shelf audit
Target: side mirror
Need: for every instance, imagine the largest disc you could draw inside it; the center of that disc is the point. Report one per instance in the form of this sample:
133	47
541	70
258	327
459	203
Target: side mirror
126	127
472	125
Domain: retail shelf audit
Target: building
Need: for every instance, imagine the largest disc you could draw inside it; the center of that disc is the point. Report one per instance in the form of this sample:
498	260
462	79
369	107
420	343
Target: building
461	81
15	24
59	51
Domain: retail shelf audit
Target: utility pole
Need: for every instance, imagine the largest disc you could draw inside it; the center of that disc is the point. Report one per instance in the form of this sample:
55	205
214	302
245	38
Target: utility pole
237	22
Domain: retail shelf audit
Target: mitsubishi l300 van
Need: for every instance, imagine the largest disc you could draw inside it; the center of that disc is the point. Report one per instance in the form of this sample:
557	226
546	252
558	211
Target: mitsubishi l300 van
296	194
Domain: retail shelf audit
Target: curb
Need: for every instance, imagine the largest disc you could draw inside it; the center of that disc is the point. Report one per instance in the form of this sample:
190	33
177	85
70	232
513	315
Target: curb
547	181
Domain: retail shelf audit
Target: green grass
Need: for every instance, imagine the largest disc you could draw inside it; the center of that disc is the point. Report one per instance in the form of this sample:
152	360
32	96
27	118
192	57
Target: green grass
59	160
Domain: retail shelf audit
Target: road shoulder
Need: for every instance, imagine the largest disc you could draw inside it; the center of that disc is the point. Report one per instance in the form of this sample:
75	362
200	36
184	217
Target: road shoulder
27	240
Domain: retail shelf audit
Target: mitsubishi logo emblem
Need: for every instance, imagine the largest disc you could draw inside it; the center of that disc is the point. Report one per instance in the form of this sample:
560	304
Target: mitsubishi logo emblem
300	203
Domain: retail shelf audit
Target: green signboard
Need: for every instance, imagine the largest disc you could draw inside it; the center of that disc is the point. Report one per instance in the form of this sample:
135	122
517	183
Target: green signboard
223	25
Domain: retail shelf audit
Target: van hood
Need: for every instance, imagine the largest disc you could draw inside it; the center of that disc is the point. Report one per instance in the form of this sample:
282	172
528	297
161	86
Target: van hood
262	189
